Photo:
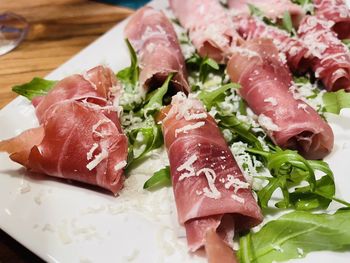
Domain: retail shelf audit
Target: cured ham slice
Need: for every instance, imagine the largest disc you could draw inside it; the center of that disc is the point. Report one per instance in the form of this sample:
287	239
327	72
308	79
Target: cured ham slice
272	9
95	86
331	61
336	11
210	28
76	142
153	37
265	85
212	197
297	54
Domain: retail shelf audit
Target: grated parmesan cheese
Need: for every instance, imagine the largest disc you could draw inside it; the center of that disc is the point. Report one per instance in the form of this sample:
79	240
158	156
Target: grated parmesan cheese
189	127
267	123
188	167
90	153
120	165
98	158
212	191
272	100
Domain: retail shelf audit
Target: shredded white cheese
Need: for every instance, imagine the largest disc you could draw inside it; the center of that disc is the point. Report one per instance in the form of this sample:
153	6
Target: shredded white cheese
120	165
212	191
189	127
267	123
98	158
187	166
90	153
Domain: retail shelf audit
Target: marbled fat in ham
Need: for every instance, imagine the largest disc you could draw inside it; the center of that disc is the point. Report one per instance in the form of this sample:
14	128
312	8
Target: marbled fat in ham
331	62
272	9
297	54
210	28
336	11
155	42
210	191
265	87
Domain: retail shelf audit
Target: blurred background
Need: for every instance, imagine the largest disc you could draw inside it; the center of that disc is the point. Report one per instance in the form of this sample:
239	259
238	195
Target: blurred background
57	30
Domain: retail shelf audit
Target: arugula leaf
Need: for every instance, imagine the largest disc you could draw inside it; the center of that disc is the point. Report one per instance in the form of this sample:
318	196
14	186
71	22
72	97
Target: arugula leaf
144	139
289	170
156	99
296	234
130	75
346	42
287	23
159	179
203	65
255	11
36	87
335	101
210	97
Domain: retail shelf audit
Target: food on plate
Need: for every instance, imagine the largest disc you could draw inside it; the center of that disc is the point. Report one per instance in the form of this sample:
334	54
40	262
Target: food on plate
272	9
336	11
265	85
242	139
297	54
94	86
211	194
80	137
331	61
153	37
209	26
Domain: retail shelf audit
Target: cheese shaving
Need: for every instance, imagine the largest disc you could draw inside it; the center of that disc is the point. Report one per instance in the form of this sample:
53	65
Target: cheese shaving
98	158
189	127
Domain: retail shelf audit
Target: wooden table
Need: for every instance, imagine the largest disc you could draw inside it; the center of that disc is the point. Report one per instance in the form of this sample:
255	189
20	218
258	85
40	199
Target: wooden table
59	29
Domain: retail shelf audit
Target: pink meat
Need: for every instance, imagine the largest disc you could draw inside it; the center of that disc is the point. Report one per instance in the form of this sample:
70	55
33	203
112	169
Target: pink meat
336	11
154	39
265	85
76	142
297	54
94	86
331	61
210	191
272	9
210	28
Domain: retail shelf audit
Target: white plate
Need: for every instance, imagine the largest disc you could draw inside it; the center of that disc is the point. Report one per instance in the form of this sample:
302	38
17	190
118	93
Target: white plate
67	223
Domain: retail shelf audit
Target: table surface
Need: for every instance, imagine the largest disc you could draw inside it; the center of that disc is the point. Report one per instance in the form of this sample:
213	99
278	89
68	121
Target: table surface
58	30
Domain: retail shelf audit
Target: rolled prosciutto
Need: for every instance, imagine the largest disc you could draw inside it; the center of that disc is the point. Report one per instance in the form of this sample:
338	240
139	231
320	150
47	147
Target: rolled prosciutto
97	85
212	197
80	137
336	11
272	9
331	61
210	28
295	53
154	39
265	82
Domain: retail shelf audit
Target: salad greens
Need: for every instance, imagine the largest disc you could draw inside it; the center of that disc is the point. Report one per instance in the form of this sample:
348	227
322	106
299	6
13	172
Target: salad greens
289	171
130	75
335	101
294	235
36	87
159	179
